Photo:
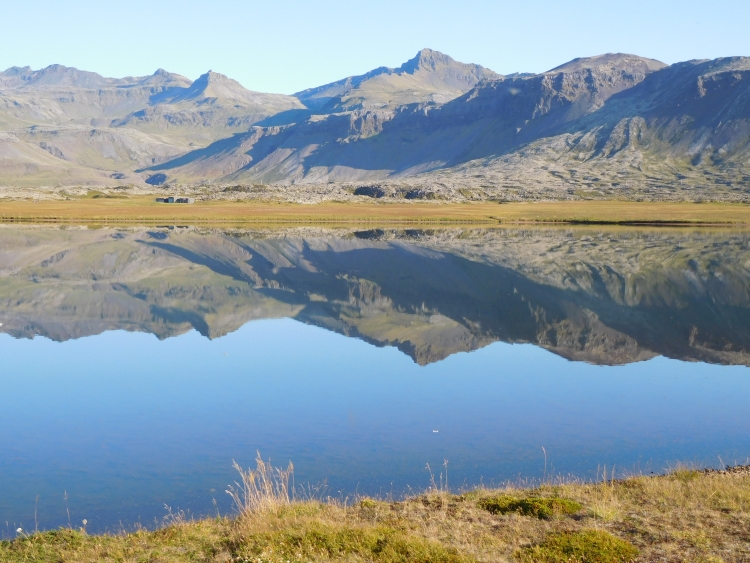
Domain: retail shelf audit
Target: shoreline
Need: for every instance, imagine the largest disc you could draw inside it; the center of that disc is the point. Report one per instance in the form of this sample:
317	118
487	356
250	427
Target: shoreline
145	211
686	514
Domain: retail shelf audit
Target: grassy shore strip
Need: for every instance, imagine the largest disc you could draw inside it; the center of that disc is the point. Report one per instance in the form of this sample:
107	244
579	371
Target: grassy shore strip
685	516
142	210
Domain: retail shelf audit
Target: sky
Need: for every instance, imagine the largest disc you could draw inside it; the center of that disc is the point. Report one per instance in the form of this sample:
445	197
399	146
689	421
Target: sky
288	45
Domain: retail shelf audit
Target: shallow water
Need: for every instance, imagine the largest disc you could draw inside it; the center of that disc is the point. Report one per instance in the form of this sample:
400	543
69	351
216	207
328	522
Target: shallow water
137	364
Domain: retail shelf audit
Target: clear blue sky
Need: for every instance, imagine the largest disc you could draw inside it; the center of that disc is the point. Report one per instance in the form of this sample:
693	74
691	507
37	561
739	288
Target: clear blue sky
288	45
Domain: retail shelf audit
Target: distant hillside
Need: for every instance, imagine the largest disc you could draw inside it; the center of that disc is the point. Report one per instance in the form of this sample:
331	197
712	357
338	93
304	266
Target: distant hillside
614	125
64	125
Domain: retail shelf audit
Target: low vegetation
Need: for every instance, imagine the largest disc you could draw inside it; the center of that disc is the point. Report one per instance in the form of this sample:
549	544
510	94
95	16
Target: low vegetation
540	507
115	208
594	546
684	516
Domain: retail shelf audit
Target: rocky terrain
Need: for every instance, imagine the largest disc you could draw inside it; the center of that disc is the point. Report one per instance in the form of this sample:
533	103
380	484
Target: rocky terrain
611	126
588	295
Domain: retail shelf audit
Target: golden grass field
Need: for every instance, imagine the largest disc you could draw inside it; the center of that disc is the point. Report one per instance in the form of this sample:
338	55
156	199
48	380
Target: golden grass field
145	210
686	516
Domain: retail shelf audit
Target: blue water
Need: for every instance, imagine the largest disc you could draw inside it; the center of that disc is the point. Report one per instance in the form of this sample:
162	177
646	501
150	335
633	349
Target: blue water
126	424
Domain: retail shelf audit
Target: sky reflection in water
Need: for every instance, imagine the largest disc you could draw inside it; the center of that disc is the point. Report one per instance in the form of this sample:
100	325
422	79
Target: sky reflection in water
126	424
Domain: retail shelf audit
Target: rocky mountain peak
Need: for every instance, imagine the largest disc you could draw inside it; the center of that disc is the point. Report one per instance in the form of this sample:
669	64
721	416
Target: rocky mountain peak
16	71
226	96
212	78
61	75
427	59
164	77
215	85
723	64
610	60
15	76
430	76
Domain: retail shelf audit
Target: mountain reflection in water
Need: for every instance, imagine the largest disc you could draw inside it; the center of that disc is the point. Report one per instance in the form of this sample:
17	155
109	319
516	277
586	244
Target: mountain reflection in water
604	297
122	424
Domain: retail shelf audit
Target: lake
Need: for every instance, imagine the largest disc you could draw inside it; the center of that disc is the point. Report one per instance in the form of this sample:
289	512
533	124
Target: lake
137	364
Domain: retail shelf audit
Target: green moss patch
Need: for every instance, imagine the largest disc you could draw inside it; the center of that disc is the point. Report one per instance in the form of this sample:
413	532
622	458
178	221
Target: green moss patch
381	544
587	546
539	507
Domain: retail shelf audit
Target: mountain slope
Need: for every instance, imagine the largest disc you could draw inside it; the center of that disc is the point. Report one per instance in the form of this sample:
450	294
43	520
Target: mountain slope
595	124
99	130
212	107
681	133
614	125
60	95
491	118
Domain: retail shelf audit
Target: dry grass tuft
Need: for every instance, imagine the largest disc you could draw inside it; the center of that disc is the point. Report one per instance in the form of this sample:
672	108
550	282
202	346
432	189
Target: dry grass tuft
266	488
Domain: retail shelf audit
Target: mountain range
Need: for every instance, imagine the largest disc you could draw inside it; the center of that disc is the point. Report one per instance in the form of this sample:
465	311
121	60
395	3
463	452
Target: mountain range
614	125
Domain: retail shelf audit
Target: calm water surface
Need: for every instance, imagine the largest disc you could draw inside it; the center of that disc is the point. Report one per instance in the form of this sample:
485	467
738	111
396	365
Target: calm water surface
137	364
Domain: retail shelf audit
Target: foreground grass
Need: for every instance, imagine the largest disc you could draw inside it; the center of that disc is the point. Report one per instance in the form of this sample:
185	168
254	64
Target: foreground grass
143	210
687	516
